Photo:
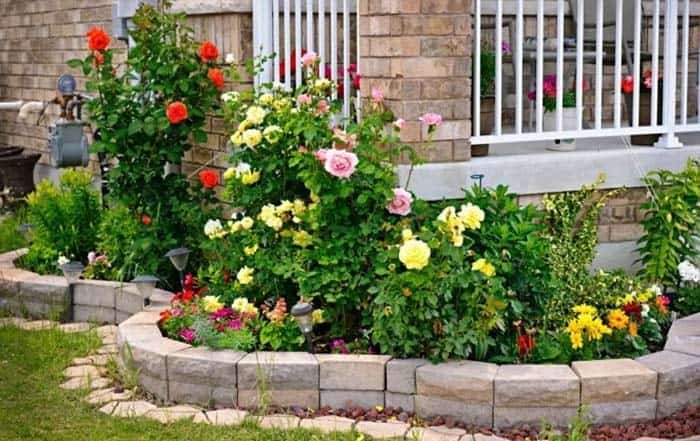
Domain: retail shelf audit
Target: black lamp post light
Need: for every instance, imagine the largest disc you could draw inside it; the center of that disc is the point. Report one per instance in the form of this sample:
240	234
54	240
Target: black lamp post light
178	257
72	271
302	314
146	284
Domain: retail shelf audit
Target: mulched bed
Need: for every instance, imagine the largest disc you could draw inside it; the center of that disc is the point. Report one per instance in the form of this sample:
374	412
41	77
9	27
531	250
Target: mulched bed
682	424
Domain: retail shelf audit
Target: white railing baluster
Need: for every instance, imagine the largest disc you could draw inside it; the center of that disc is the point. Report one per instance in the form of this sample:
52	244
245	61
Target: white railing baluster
618	64
580	20
669	139
637	62
655	66
276	38
518	68
560	65
322	37
499	65
477	69
297	41
287	45
346	58
684	63
599	66
334	44
309	25
540	64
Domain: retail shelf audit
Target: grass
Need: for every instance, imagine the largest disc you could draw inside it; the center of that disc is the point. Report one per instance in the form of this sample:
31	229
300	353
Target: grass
33	407
10	238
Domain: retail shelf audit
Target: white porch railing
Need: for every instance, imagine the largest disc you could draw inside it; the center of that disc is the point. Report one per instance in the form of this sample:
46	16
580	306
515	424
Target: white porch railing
285	29
592	18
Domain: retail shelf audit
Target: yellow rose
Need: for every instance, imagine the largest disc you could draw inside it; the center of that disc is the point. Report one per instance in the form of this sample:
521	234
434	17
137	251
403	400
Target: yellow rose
249	251
247	223
299	206
274	222
302	239
230	173
285	207
266	99
240	304
234	227
252	137
255	115
237	138
267	212
414	254
317	316
471	216
484	267
322	84
446	214
245	275
211	304
406	234
272	134
250	178
281	103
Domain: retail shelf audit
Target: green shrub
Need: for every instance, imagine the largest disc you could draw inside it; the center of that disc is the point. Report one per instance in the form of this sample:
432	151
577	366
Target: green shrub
65	220
671	226
10	238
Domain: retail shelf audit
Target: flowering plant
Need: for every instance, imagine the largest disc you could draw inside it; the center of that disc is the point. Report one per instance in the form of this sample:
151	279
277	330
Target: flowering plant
549	94
488	65
627	83
688	300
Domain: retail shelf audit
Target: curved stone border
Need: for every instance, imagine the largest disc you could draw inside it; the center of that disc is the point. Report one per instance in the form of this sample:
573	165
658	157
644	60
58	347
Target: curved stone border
484	394
28	293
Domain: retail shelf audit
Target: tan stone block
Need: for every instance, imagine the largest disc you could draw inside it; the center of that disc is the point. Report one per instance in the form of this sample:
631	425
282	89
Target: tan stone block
618	380
382	430
677	372
461	381
352	372
536	386
430	434
284	422
167	415
328	424
222	417
469	412
249	399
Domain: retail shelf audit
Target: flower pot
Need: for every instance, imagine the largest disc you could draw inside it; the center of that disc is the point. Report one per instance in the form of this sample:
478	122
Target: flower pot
644	115
486	119
569	122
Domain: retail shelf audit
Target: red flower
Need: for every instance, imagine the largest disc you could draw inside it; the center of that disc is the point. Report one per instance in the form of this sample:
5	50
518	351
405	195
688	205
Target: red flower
98	40
209	178
177	112
627	84
526	343
633	310
216	77
99	59
292	64
146	219
164	316
208	51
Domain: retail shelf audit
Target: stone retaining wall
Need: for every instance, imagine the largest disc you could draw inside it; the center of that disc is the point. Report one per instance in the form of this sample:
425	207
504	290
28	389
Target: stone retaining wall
28	294
485	394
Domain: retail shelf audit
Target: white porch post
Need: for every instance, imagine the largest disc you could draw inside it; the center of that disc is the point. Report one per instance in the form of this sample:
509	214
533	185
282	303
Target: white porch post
669	140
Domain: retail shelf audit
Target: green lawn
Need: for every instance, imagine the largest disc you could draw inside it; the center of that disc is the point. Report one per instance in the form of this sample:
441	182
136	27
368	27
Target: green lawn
33	407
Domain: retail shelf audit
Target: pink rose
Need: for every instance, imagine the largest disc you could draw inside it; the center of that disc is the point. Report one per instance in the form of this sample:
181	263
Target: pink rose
92	257
431	119
401	204
322	107
377	95
309	59
303	149
321	154
340	163
304	99
400	123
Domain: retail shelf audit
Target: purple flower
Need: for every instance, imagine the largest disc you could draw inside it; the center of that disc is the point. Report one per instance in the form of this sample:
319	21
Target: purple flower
222	313
235	324
177	312
505	47
339	345
187	335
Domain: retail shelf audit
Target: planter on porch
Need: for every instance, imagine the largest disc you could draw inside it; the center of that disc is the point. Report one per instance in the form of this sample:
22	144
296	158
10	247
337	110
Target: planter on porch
486	118
569	122
644	115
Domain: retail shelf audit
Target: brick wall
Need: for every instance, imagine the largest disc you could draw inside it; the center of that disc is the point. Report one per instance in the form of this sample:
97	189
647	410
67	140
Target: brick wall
419	52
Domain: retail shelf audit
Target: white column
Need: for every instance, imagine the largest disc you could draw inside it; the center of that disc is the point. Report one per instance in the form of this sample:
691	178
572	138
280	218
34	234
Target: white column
669	140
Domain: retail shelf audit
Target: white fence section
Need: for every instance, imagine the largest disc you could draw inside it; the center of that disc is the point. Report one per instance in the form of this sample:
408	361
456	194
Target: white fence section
285	29
607	32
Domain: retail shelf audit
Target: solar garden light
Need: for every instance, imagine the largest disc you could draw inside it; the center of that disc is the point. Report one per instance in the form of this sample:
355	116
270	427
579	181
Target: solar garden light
72	271
146	284
302	314
178	257
26	231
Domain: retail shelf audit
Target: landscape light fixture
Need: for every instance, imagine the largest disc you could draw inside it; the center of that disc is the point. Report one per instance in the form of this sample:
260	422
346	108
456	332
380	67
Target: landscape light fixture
146	284
302	314
178	257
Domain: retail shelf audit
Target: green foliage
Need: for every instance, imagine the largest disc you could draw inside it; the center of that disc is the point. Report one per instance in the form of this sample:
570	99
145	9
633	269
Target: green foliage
136	131
578	429
65	220
571	227
671	228
10	238
488	71
282	335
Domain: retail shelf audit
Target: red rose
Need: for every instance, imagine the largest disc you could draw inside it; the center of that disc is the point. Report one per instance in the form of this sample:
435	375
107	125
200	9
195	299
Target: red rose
627	84
216	77
526	343
208	51
146	220
209	178
98	40
99	59
177	112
